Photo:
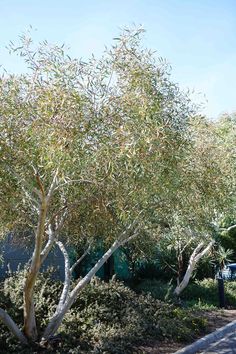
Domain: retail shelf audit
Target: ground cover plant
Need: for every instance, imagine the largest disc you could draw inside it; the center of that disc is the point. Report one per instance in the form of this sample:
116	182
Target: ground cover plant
199	293
106	317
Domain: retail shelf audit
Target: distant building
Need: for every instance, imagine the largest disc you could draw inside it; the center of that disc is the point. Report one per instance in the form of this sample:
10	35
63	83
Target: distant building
16	255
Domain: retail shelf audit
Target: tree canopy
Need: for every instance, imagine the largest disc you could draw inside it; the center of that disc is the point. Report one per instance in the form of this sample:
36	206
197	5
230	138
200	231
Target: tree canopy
115	128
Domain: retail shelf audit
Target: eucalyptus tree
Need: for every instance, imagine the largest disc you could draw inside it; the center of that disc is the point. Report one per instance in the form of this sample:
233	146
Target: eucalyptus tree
89	151
211	181
224	224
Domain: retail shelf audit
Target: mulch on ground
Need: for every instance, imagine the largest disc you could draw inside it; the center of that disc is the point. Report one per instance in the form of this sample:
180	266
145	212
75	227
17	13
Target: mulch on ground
216	319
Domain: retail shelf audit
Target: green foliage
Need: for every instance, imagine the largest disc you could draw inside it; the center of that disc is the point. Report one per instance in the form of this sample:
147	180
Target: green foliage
157	288
204	291
206	268
11	299
225	234
201	295
106	318
116	127
122	137
46	293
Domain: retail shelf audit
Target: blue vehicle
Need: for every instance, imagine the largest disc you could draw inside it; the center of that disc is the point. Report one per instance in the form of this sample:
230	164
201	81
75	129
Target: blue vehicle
229	272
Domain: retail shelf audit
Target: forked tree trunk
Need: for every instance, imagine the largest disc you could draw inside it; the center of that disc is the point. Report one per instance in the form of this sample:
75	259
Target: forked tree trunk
67	302
56	320
67	298
62	308
197	254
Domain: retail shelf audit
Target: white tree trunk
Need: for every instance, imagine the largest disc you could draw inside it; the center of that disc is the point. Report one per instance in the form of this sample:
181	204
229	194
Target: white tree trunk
8	321
55	321
30	328
197	254
67	280
57	318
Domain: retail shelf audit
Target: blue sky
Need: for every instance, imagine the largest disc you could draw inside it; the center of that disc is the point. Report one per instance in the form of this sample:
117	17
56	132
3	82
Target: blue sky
198	37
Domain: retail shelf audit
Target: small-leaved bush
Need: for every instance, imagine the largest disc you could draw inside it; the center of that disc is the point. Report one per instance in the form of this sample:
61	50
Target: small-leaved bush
200	294
206	292
106	317
156	288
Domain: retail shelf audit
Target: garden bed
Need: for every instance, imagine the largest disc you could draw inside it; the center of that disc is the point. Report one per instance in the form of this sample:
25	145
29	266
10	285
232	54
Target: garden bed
215	319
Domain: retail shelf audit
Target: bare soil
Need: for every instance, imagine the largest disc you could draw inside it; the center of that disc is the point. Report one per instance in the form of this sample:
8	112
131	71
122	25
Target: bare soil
216	319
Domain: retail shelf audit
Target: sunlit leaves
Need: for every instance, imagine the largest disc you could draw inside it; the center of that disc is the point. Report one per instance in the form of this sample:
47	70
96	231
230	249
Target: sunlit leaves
117	127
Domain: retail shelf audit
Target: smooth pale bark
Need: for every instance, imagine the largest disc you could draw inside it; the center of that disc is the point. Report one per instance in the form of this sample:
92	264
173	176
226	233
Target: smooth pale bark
230	228
56	320
68	273
67	299
52	237
30	328
66	287
197	254
49	245
8	321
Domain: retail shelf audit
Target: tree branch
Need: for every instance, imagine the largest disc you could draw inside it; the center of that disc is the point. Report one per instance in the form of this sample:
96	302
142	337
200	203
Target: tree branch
67	279
134	225
74	181
205	251
58	316
231	228
56	214
48	246
30	327
193	260
131	237
52	236
8	321
41	187
80	259
68	273
52	186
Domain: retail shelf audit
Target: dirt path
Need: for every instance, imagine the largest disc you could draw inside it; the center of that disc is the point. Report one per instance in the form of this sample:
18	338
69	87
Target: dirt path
216	319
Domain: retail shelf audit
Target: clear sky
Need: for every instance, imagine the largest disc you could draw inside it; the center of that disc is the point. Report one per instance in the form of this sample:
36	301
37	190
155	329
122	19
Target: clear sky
198	37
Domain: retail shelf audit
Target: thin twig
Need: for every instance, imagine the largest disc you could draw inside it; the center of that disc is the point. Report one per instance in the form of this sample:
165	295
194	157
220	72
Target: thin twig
80	259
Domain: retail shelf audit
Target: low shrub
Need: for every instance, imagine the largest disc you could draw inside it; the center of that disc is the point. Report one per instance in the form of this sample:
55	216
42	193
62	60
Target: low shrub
11	299
230	291
200	294
156	288
206	292
106	318
46	293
